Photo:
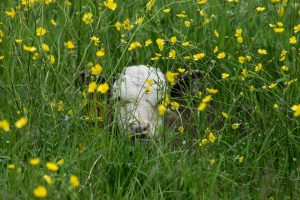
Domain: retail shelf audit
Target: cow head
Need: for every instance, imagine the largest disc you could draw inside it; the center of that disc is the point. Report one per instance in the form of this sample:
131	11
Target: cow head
138	90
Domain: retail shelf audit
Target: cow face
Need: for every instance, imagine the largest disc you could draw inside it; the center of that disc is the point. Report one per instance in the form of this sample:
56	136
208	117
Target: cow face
138	90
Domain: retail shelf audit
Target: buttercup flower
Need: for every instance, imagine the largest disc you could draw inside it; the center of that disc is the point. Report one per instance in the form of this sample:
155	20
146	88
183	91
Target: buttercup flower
103	88
34	161
21	122
87	18
52	166
171	77
110	4
40	31
160	43
4	125
40	191
74	181
296	109
198	56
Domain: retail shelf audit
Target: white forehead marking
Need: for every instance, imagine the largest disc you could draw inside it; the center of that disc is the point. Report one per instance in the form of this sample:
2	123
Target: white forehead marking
132	83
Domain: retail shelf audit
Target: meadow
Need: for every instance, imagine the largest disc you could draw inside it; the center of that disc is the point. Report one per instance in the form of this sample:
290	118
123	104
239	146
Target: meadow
60	140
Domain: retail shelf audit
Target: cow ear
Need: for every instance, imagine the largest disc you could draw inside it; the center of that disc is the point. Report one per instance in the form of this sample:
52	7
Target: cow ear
188	83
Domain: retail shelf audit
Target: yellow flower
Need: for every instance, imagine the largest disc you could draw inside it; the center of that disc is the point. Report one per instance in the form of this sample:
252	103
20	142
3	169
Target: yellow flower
173	39
200	2
212	162
103	88
60	106
241	159
171	77
181	70
149	81
52	166
134	45
40	31
148	42
40	191
225	75
161	109
241	59
29	48
69	45
235	125
127	24
139	20
202	106
258	67
100	53
160	43
262	51
150	4
216	49
216	33
225	115
174	105
203	142
87	18
280	11
52	22
167	10
279	30
52	59
207	99
293	40
221	55
92	87
180	129
34	161
118	26
212	91
238	32
181	15
48	179
96	40
74	181
296	109
11	13
275	106
260	9
285	68
172	54
60	162
187	24
35	56
297	28
239	40
211	137
110	4
273	85
21	122
97	69
45	47
166	101
11	166
18	40
4	125
185	44
198	56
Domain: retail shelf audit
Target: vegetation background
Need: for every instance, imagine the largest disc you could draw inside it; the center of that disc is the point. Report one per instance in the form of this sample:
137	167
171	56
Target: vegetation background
244	143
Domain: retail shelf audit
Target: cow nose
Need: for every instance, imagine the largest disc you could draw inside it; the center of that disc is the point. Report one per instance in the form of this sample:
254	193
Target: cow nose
136	128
